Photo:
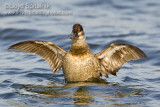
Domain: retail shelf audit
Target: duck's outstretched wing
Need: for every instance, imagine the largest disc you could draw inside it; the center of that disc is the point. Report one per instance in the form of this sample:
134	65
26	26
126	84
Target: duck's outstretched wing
114	56
47	50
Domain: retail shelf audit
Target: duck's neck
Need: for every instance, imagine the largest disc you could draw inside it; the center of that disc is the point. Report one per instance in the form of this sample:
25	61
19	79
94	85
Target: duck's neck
79	47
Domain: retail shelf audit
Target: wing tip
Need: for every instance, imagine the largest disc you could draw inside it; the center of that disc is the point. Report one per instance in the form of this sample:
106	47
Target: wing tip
14	45
11	47
145	56
142	55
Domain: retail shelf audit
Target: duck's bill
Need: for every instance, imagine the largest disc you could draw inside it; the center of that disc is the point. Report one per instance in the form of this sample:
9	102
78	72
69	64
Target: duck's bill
74	36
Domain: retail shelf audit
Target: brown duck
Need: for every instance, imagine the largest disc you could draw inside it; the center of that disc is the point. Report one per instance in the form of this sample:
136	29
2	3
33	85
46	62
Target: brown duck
80	64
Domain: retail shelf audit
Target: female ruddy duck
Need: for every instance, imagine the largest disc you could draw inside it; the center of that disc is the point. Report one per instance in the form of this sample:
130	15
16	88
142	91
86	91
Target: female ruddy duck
80	64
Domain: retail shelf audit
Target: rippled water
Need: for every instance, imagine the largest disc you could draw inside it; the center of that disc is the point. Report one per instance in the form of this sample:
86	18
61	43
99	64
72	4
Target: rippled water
27	80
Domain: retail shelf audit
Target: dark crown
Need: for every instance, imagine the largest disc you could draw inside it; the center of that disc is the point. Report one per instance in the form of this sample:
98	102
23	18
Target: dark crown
77	28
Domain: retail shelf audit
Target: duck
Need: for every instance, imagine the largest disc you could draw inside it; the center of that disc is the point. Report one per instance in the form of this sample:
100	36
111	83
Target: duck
79	64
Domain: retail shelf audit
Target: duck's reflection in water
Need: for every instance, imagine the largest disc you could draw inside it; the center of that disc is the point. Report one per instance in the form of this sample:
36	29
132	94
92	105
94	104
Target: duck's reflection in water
82	96
83	93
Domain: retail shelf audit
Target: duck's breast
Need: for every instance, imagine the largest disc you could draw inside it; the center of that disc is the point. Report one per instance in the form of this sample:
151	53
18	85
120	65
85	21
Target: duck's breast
80	68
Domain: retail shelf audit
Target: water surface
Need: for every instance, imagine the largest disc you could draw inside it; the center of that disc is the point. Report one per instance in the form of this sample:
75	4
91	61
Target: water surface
27	80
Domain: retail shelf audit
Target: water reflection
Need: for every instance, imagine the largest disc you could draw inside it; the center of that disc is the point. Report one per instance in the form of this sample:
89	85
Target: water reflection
84	93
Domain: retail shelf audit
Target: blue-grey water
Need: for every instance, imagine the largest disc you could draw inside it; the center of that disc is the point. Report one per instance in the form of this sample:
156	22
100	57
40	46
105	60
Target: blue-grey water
26	79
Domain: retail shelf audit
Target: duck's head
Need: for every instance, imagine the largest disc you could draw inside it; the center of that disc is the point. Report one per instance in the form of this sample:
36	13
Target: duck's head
77	33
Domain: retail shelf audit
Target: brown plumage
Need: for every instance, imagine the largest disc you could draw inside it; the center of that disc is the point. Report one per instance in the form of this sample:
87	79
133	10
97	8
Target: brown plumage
114	56
47	50
80	64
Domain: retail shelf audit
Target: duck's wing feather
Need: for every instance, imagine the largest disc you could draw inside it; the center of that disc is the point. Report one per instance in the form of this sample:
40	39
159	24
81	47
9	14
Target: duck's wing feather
47	50
114	56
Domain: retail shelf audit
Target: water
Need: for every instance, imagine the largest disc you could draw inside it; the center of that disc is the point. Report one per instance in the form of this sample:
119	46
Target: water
27	80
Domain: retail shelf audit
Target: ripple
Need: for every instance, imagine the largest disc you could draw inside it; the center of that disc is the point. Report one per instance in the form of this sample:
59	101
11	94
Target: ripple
16	86
129	79
18	34
155	80
8	95
156	96
93	3
35	75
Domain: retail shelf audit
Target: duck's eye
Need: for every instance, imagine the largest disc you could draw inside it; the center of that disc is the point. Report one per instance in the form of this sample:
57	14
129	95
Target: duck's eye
74	34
